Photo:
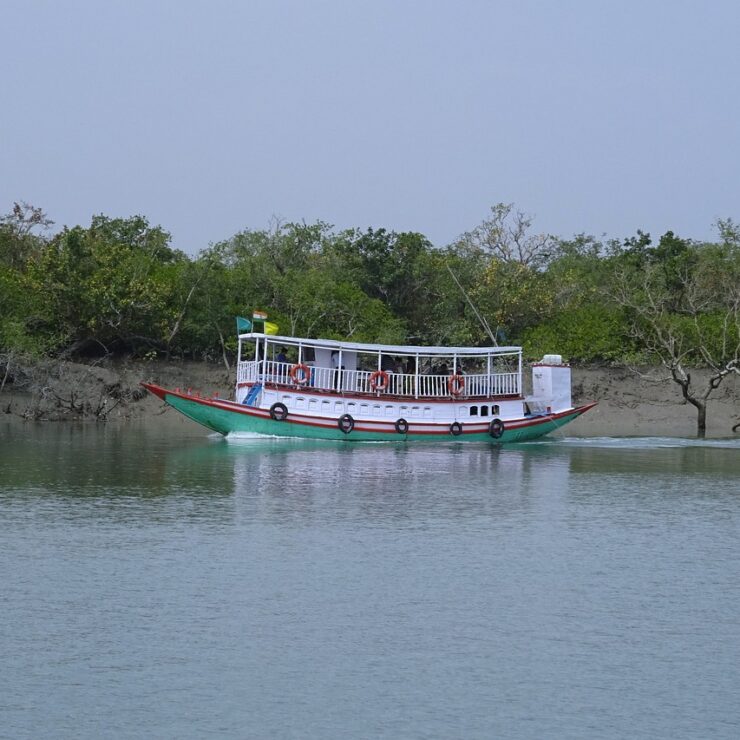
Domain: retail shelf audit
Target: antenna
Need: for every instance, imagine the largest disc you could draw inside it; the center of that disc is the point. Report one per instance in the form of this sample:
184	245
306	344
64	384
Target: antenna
483	322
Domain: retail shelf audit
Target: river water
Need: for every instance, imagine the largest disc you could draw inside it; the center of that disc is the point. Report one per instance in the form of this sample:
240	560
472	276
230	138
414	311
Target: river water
178	585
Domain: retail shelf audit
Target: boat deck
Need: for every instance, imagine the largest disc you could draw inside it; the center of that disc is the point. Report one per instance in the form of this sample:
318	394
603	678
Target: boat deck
396	386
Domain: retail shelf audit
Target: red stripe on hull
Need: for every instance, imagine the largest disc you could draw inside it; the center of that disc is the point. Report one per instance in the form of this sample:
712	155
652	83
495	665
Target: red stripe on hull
437	428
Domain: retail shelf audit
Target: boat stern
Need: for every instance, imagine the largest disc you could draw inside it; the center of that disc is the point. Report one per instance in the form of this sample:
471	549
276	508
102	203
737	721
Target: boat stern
551	385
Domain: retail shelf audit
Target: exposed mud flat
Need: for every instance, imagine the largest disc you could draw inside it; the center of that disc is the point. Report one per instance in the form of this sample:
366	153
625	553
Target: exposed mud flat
630	405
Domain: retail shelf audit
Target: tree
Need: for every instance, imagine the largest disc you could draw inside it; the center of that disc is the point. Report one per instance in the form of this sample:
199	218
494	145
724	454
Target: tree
388	266
579	323
505	235
107	285
22	240
683	304
18	242
508	288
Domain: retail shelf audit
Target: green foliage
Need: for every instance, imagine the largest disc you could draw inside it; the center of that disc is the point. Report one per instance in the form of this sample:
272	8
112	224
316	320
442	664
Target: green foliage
22	309
108	284
18	242
588	333
118	285
515	295
682	302
393	268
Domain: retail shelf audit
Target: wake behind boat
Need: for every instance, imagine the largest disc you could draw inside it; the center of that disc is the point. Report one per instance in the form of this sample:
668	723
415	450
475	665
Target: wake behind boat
326	389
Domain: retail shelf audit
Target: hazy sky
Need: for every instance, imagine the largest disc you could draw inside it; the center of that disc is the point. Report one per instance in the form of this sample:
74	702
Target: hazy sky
211	117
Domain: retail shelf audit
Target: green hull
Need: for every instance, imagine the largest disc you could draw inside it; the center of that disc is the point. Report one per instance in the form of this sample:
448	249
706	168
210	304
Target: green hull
227	421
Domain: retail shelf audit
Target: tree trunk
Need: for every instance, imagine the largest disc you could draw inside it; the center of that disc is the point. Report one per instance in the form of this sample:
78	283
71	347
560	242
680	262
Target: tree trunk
701	420
7	371
223	348
684	380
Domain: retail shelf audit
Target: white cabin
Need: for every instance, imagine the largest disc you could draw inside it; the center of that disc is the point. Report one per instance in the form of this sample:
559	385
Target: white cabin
327	378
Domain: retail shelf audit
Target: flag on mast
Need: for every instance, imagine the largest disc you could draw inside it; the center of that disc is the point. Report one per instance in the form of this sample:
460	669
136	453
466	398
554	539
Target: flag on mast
258	324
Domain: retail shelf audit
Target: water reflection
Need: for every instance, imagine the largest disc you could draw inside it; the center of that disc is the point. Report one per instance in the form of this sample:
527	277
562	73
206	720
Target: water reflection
293	481
408	485
286	480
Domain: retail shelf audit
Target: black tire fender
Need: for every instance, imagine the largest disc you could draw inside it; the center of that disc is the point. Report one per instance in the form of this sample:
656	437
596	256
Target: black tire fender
496	428
346	423
456	429
279	411
402	426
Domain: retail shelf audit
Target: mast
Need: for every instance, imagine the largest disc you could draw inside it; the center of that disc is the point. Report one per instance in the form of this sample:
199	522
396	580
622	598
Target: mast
483	322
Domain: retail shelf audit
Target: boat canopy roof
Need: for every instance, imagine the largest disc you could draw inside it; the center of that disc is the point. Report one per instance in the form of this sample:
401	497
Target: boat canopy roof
388	349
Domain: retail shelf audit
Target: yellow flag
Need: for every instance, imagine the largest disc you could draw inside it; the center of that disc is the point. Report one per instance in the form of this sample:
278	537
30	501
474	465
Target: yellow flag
271	328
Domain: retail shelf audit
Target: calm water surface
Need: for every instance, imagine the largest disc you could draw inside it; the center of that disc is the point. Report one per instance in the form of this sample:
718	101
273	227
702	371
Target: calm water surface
183	586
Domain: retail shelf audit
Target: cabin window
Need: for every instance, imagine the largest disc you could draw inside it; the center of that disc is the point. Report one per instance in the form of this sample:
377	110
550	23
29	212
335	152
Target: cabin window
474	411
350	407
363	409
325	407
495	411
389	411
312	404
377	411
300	403
339	406
428	412
484	410
414	411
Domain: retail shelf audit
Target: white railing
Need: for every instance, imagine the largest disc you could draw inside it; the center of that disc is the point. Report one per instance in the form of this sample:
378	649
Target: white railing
434	385
247	372
496	384
399	384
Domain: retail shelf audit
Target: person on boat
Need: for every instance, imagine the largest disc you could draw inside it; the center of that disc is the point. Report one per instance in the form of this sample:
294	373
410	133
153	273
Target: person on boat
409	370
281	370
337	369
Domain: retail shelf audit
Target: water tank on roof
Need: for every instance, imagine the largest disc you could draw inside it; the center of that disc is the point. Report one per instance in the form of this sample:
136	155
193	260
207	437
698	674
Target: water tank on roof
552	360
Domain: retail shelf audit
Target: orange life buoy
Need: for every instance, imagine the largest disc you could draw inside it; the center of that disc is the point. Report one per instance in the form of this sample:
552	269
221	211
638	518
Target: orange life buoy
379	380
455	384
300	374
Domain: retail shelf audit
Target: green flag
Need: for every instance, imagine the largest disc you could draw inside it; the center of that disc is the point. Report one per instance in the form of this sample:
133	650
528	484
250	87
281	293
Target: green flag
243	325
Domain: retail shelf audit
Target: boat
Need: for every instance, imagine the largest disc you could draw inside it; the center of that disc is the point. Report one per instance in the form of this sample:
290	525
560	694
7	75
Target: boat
342	390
